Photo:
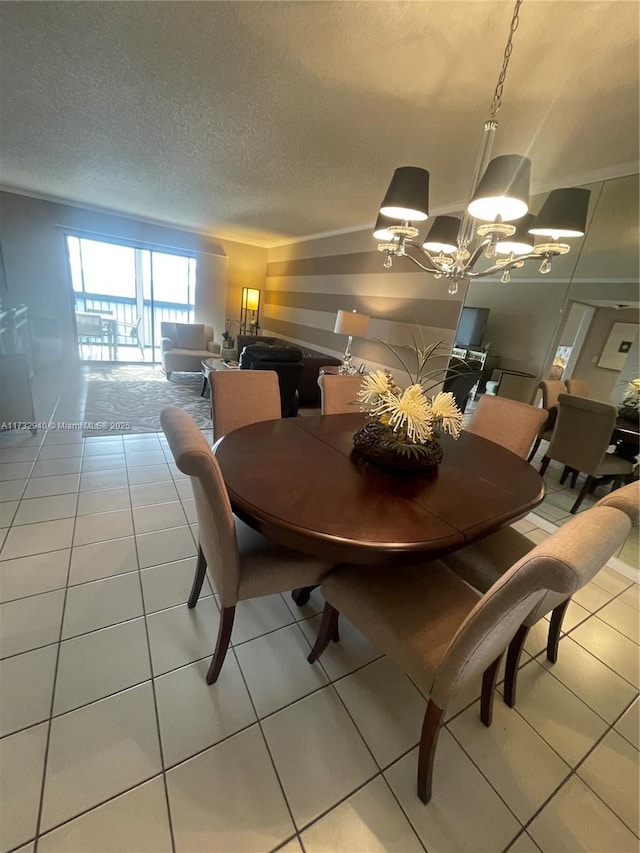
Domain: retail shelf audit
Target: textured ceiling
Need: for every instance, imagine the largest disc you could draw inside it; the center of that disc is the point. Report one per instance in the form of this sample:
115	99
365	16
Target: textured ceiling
265	121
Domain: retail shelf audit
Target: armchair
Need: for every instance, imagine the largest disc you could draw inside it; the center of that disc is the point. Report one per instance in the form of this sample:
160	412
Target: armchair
185	345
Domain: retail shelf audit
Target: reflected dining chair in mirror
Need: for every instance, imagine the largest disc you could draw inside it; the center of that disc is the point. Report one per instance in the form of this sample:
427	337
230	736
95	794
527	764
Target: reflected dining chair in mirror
580	440
242	564
482	563
128	334
91	331
242	397
442	633
510	424
551	390
339	393
578	387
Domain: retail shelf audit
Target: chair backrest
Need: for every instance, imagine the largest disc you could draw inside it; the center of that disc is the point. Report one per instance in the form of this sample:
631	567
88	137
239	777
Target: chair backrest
289	375
510	424
582	432
339	392
557	567
579	387
216	528
551	390
627	500
241	397
193	336
88	325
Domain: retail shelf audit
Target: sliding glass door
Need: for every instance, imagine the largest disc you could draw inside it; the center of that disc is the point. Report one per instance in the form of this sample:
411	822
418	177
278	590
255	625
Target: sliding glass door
123	293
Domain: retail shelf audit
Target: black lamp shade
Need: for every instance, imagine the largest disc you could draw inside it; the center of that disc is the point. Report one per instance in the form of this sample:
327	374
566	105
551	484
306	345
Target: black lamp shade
408	195
443	234
381	228
564	213
503	190
520	243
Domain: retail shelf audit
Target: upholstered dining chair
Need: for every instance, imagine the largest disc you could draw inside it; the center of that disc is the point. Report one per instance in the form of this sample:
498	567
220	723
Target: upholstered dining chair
242	397
580	440
442	633
510	424
578	387
482	563
551	390
338	393
242	563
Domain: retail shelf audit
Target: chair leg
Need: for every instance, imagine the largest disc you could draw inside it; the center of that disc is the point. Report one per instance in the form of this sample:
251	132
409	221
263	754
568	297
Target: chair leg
301	596
553	637
222	643
514	653
489	680
201	570
534	449
328	631
431	725
582	495
565	473
574	478
544	465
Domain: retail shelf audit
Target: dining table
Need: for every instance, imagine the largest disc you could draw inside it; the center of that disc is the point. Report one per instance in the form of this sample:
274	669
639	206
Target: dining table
299	482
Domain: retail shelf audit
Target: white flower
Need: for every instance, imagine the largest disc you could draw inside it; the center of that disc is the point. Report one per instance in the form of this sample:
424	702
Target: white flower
632	393
408	411
446	411
375	384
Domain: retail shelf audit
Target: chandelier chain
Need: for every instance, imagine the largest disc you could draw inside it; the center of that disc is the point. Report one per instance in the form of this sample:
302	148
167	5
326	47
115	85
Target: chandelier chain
496	103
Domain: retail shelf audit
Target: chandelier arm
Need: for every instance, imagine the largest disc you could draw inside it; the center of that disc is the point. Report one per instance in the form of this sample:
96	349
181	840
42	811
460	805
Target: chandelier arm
433	269
508	265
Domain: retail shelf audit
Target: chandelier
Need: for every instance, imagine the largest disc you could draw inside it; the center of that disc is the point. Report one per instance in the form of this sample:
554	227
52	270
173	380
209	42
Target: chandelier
496	224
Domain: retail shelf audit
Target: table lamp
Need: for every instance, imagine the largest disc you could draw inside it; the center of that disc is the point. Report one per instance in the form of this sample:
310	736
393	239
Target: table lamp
355	326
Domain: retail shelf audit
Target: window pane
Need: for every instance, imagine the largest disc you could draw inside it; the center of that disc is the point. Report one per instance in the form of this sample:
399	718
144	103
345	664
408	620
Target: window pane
108	269
171	278
73	245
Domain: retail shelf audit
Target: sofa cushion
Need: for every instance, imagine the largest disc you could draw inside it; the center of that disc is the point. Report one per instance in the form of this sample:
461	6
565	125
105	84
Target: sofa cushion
190	336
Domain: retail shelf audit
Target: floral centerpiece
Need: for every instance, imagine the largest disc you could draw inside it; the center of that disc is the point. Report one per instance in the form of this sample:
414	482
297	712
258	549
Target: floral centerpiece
631	401
405	423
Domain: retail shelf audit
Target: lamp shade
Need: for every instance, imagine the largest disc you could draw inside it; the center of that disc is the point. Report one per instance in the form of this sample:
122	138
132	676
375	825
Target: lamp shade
351	323
250	298
564	213
381	228
520	243
503	190
443	234
408	195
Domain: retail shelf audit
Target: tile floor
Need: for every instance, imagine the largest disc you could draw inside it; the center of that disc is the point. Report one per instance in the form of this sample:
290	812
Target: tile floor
111	740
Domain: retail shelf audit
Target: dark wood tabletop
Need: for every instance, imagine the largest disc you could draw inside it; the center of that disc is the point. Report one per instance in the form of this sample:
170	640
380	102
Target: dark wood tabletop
296	481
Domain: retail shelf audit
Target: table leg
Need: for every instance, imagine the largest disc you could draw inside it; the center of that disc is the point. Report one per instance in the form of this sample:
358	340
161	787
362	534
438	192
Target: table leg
204	384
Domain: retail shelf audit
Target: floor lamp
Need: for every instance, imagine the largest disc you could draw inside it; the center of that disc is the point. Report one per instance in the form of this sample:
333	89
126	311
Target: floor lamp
355	326
250	310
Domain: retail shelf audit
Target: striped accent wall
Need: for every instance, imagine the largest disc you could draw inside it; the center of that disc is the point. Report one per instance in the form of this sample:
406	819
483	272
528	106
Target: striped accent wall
307	282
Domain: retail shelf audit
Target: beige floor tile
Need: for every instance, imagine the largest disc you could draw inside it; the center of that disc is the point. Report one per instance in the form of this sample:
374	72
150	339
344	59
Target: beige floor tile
105	462
228	798
537	536
21	766
183	487
577	821
112	479
42	487
629	724
611	581
103	448
353	651
195	715
574	615
292	847
566	723
386	707
523	526
336	760
153	493
19	454
99	751
630	552
101	663
170	584
181	635
370	820
630	596
34	574
164	546
63	437
12	490
522	768
524	844
60	451
37	538
465	814
103	559
136	458
612	772
136	443
596	684
101	603
26	687
611	647
14	470
536	641
30	622
257	616
149	474
189	507
591	597
277	671
135	821
56	467
176	473
103	500
7	512
46	509
103	526
623	618
550	511
159	517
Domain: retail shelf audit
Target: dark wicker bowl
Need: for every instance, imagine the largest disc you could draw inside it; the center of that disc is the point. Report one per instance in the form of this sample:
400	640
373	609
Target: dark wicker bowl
371	444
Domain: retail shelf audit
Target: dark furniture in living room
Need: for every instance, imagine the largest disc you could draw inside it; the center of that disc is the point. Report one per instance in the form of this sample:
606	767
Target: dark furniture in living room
312	361
286	361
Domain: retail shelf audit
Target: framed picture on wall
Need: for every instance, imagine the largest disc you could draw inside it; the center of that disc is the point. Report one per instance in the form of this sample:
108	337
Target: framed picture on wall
621	337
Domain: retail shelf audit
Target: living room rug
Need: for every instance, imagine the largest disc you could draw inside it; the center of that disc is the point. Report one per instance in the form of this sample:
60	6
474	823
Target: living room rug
128	399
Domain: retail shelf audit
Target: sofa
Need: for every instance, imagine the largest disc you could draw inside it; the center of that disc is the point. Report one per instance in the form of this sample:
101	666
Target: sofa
283	359
185	345
312	361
